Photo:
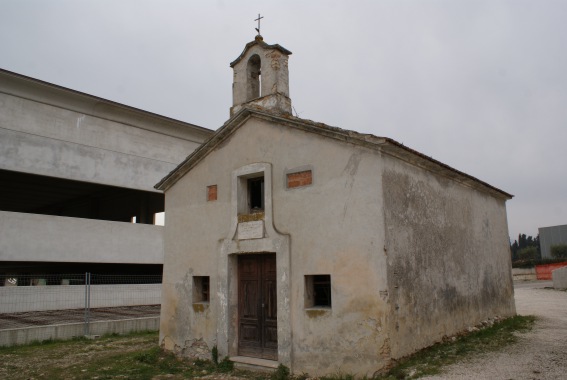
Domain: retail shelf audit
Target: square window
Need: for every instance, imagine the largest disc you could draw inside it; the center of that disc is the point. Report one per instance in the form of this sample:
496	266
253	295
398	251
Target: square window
318	290
201	289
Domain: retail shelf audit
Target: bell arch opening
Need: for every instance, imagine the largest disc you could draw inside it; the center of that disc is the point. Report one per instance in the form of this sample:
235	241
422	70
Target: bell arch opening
254	78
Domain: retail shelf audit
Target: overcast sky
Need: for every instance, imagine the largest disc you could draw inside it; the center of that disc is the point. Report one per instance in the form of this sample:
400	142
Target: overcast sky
478	85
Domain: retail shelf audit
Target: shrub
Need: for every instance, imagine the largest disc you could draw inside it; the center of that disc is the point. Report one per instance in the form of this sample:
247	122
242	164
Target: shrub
528	253
281	373
559	251
532	263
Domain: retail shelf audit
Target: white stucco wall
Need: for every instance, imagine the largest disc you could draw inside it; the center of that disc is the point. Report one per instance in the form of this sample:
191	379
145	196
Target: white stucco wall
32	237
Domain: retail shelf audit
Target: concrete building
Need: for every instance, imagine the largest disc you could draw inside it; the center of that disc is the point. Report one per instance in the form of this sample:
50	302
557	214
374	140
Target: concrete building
550	236
290	241
75	170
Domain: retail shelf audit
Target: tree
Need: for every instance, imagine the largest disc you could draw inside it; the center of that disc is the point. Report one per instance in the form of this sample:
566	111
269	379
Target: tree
514	247
522	243
559	251
528	253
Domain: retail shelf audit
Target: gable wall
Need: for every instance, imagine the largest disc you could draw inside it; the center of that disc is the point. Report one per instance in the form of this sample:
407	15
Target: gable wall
335	227
448	256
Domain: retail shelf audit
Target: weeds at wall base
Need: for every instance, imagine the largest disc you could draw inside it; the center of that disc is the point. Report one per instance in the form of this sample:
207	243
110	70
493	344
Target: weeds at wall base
138	356
431	360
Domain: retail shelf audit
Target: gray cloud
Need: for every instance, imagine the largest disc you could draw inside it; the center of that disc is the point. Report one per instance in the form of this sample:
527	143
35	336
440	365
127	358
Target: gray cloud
479	85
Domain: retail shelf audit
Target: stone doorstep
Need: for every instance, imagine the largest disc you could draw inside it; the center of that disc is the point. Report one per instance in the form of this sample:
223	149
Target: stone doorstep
254	364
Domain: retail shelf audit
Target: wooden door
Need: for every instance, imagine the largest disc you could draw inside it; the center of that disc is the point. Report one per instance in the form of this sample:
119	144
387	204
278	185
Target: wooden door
257	306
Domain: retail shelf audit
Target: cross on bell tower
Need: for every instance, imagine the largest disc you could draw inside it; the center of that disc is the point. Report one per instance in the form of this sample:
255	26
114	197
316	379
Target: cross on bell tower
258	19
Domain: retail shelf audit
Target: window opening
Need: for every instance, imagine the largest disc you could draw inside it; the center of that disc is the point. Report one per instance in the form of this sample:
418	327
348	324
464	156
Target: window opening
256	194
201	286
318	290
254	78
322	290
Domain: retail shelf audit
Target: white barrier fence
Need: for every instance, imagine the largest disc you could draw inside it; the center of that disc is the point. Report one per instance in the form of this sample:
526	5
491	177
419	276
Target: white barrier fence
16	299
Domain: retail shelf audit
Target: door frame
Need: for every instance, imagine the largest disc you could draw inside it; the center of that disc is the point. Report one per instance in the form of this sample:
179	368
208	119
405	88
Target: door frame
263	351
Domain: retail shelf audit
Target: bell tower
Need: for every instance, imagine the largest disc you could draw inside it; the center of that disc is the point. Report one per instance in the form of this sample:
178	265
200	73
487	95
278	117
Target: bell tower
261	78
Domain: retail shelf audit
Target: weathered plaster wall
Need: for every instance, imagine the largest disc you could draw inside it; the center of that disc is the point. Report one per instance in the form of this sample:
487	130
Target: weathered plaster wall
448	256
274	73
334	227
273	88
192	240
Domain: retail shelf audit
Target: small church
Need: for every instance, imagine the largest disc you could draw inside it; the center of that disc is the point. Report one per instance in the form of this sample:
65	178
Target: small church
290	241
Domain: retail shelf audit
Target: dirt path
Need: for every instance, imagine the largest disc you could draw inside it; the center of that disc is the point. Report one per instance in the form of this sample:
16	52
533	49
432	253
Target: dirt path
540	354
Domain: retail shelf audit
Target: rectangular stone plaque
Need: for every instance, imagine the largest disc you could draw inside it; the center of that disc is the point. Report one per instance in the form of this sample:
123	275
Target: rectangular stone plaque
251	230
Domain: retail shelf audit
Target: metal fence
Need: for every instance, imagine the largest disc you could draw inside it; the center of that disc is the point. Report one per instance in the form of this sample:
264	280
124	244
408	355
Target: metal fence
54	299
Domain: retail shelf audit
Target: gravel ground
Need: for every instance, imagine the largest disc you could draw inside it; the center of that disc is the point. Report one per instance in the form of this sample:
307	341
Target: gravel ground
540	354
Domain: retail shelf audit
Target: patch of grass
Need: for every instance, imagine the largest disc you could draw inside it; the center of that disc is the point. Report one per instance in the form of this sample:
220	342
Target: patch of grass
51	342
281	373
144	333
137	356
150	356
43	345
431	360
338	376
134	365
225	365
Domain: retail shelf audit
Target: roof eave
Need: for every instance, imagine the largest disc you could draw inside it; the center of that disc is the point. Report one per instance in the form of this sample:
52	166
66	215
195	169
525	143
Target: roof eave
386	145
439	167
264	45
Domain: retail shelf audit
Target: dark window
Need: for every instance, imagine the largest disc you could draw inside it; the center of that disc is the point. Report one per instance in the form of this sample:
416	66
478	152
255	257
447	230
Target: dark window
205	289
256	194
318	290
201	289
322	290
